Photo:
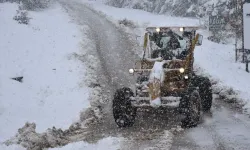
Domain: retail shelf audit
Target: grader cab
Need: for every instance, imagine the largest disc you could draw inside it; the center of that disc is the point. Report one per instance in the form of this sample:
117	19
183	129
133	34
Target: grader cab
165	77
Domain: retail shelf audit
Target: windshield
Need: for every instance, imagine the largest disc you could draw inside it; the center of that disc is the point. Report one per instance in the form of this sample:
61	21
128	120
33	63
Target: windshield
168	45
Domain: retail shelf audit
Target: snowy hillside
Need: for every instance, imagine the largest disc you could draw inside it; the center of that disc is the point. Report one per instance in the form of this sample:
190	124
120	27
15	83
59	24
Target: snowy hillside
52	92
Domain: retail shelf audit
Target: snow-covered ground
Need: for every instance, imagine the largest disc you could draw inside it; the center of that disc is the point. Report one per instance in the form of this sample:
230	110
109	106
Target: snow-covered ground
53	92
216	60
104	144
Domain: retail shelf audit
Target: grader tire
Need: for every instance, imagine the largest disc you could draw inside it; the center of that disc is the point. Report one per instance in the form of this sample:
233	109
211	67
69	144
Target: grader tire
123	111
193	109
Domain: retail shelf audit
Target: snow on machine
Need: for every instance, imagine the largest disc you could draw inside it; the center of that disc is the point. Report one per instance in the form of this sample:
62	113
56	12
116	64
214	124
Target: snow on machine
165	77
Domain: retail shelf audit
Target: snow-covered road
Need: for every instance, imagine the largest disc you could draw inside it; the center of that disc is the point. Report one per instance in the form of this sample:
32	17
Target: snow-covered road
112	46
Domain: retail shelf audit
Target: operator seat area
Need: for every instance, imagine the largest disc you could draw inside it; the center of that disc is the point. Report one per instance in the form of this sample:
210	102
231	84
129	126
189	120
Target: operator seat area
168	46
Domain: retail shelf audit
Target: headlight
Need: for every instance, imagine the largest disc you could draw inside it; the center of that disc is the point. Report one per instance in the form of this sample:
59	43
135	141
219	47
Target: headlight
186	77
182	70
158	29
131	71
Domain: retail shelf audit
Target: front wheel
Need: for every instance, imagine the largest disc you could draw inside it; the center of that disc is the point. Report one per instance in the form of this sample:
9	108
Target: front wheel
123	111
193	109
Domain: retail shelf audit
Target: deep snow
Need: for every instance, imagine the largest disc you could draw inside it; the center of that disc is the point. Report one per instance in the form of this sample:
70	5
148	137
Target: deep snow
215	60
53	92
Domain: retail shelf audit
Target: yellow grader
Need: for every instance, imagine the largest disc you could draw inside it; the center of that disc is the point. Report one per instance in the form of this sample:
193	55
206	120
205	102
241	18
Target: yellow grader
165	77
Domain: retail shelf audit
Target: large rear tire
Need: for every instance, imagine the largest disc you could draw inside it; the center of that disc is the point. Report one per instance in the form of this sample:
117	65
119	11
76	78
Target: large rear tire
123	111
205	91
193	109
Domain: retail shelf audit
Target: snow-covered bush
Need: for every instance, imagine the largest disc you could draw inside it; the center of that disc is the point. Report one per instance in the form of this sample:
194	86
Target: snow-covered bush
35	4
127	23
22	16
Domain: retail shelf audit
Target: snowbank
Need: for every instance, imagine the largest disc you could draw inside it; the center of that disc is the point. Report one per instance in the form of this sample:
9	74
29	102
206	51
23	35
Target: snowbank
216	60
53	91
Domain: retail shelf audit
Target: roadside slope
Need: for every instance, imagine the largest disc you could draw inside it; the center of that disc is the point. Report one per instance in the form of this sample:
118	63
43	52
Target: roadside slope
53	91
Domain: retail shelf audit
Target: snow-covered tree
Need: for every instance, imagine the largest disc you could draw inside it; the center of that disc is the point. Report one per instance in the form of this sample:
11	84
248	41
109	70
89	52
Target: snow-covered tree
35	4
